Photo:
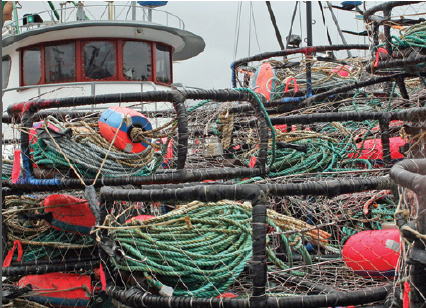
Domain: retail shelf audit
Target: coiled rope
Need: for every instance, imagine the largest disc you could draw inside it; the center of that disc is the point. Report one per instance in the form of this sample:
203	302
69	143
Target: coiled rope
196	253
103	157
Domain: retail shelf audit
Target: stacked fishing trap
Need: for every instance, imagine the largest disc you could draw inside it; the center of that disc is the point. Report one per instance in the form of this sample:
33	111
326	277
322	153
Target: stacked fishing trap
302	186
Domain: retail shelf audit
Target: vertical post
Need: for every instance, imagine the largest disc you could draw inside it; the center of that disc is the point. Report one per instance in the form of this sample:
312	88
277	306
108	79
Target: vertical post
104	206
149	14
133	10
109	11
402	88
388	46
259	278
386	30
384	131
27	124
309	52
3	230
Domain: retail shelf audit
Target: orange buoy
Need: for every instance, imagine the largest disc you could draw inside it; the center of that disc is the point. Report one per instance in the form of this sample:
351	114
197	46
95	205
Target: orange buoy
373	253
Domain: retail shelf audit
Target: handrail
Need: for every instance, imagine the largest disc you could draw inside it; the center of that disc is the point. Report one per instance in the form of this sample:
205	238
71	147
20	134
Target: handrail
92	83
174	85
123	15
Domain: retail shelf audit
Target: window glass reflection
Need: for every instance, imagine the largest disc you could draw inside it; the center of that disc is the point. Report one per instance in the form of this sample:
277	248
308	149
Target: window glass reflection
99	60
5	71
137	61
32	66
163	64
60	63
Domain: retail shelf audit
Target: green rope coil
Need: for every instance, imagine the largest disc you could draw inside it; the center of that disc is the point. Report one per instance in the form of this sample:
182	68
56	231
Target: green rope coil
199	250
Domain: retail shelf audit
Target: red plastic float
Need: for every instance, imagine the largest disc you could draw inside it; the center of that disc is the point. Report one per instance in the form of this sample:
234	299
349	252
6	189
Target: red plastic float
373	253
69	213
67	290
372	150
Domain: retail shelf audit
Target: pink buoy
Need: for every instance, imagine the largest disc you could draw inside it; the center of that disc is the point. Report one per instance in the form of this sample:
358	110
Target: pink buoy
342	70
373	253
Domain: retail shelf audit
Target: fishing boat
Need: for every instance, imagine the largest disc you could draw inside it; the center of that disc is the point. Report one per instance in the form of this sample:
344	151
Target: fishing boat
300	186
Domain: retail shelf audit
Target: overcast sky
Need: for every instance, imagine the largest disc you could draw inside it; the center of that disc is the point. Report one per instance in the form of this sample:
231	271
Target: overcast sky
216	22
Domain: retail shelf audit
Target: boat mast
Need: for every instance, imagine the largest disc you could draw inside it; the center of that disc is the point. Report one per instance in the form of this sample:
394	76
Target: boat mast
338	27
309	43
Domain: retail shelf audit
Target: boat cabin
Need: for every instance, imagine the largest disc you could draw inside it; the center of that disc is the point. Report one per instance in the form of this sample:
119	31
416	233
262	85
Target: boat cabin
63	52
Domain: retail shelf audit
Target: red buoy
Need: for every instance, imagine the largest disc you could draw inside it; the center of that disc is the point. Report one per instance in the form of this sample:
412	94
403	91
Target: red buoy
373	253
67	290
69	213
372	150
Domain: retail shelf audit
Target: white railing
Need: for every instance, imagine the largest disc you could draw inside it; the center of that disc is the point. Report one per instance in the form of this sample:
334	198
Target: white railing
108	12
69	84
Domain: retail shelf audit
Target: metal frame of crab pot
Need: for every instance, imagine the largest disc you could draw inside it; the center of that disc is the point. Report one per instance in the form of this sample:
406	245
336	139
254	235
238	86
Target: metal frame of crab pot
356	85
386	8
256	194
411	174
411	114
39	267
26	112
307	51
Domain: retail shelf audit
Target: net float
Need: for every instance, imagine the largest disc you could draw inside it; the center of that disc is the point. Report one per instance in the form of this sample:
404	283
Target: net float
116	123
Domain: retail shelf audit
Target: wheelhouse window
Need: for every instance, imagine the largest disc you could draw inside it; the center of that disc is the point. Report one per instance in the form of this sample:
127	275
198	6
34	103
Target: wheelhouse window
32	66
163	66
5	71
99	60
60	63
92	60
137	61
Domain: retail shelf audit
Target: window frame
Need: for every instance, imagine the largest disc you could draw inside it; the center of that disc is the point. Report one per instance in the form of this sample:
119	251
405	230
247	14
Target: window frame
21	63
10	69
121	43
47	44
80	76
83	44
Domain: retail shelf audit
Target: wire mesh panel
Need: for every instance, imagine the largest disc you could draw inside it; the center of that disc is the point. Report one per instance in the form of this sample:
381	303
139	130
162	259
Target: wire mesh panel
49	258
207	249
